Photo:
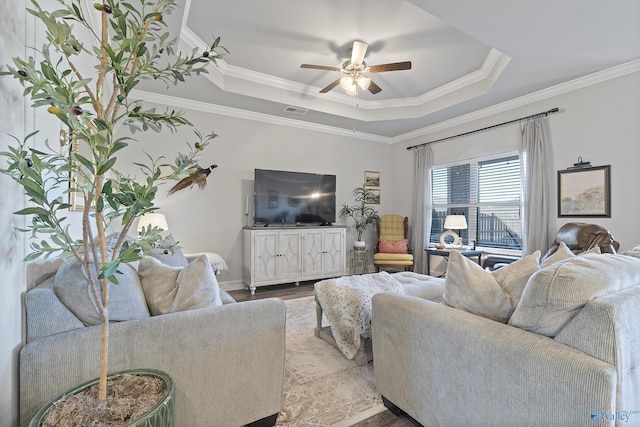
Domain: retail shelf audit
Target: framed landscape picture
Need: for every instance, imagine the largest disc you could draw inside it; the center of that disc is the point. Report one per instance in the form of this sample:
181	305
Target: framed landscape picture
374	196
585	192
372	179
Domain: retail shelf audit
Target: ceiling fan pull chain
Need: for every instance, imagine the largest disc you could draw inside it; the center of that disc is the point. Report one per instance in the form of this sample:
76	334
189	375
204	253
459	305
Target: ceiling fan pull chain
356	102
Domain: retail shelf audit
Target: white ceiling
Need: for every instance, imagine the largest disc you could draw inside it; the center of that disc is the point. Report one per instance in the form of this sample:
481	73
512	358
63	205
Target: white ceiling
466	55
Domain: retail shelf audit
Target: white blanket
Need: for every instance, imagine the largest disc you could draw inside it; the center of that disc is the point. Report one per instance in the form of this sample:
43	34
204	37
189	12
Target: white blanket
346	301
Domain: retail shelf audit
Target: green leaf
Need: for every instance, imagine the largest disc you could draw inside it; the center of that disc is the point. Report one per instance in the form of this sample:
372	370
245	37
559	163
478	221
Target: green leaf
109	270
32	256
105	166
83	160
32	211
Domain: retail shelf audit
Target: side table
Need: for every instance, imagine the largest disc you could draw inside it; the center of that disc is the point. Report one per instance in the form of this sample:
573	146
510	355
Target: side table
444	253
359	261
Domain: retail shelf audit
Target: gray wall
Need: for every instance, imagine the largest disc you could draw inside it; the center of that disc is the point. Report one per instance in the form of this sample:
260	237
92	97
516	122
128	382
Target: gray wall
212	219
13	282
600	123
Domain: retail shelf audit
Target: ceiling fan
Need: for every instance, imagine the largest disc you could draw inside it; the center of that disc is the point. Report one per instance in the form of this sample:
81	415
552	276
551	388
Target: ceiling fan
357	73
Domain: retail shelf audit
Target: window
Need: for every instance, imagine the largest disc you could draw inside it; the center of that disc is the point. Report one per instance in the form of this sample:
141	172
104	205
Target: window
487	193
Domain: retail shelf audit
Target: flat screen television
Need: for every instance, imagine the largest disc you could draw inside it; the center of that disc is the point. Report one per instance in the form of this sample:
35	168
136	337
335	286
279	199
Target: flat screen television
291	198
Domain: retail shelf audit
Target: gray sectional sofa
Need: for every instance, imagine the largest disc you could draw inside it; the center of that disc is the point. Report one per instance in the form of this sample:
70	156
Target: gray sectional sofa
568	356
227	361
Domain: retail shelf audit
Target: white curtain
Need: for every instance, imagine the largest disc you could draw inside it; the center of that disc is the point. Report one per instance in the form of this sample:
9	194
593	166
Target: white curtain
538	225
421	210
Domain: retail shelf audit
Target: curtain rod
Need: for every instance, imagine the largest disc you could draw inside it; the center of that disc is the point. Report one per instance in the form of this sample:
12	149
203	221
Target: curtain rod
544	113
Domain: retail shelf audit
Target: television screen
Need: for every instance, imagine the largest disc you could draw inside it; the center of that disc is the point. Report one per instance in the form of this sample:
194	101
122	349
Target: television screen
282	197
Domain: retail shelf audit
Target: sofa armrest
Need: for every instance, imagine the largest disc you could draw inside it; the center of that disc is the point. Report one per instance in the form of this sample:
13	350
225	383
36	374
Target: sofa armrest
444	366
227	362
494	262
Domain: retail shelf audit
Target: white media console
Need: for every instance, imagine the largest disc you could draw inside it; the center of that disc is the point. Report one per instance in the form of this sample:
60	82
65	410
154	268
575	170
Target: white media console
274	255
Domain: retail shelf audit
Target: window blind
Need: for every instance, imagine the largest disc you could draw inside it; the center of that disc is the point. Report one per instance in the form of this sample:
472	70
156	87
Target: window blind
488	193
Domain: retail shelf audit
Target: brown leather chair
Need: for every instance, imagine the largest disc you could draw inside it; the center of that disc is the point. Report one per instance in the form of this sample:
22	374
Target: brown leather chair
578	236
582	237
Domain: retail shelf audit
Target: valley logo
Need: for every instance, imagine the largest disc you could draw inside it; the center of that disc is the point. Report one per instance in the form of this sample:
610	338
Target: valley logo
598	415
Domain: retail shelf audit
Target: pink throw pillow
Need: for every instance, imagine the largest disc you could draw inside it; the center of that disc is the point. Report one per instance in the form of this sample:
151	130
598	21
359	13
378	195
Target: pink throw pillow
399	247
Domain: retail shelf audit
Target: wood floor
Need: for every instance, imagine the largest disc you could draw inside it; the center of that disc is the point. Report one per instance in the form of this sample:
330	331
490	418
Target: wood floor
305	289
284	291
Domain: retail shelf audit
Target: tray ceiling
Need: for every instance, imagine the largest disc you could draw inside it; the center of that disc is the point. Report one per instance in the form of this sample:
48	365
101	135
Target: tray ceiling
466	56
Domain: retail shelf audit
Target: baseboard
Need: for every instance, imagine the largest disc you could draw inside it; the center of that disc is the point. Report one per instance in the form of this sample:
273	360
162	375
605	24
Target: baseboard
232	285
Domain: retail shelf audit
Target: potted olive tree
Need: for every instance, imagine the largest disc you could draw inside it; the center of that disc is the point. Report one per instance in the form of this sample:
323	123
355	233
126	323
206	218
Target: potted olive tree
130	42
361	213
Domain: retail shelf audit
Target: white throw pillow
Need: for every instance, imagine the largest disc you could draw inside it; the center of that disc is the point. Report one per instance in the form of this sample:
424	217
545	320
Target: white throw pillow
564	254
555	294
169	289
493	295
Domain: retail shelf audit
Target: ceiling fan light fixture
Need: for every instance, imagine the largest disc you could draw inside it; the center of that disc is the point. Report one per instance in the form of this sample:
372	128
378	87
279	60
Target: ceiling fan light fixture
364	82
351	90
345	82
348	84
356	72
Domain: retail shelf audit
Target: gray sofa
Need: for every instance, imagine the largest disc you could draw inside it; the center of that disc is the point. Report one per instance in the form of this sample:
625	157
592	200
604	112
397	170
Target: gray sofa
227	361
444	366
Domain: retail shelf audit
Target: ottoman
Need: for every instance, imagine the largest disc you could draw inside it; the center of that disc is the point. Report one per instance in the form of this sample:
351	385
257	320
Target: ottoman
414	284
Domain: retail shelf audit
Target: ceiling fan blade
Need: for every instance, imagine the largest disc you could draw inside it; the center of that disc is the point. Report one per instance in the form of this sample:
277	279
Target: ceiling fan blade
394	66
358	51
373	88
320	67
330	86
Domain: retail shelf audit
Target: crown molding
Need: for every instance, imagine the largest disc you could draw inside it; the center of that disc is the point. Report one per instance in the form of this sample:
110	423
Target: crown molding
236	79
579	83
188	104
562	88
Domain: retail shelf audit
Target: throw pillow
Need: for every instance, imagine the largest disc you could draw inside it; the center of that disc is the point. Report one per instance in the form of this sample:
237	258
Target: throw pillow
555	294
514	277
169	289
175	259
399	247
493	295
564	254
126	299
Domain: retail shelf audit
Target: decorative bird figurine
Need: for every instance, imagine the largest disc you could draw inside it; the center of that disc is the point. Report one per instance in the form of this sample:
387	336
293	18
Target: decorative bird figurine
199	178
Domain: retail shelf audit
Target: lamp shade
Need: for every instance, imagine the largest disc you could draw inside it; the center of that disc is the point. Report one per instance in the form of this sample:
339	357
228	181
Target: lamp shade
455	222
153	220
364	81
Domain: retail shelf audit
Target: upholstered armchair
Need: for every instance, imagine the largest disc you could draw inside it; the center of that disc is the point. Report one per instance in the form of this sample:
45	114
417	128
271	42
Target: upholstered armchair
583	237
392	249
578	236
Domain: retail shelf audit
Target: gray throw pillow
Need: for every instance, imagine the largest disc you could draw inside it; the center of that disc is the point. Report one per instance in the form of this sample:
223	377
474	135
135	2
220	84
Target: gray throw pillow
169	289
557	293
126	299
176	259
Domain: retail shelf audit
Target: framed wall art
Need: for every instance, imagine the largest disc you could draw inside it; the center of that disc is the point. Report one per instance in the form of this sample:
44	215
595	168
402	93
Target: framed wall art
372	179
374	196
584	192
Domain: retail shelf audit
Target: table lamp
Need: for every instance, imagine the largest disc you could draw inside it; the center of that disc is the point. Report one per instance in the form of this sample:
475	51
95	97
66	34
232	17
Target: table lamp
453	222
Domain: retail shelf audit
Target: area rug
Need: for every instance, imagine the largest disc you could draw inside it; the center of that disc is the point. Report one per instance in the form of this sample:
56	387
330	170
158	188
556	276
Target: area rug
321	386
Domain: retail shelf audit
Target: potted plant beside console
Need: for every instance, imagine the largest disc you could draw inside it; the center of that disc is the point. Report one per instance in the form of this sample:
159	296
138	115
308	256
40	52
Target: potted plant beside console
87	86
361	213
